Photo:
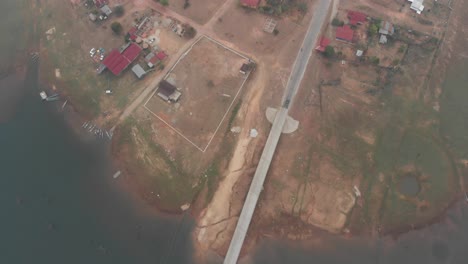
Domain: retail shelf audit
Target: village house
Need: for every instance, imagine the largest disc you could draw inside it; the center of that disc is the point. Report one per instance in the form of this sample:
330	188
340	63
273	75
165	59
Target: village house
356	18
168	92
345	34
250	3
417	5
323	44
138	71
386	28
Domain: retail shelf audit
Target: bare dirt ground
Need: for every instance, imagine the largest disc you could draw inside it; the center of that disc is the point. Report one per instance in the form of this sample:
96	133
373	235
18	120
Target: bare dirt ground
208	75
199	11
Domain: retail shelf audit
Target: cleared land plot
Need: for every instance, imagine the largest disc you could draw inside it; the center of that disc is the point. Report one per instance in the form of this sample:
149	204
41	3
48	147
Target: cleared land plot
200	10
209	79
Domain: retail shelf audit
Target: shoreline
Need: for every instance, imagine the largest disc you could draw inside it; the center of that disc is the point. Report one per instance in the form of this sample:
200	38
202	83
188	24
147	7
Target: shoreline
74	119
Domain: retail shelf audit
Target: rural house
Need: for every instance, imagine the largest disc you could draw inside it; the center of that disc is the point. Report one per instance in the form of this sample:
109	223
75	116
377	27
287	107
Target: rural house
168	92
250	3
345	34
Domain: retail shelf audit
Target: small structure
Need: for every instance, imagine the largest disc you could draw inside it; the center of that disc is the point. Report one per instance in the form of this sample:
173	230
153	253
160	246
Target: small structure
270	25
151	59
323	44
161	55
356	18
92	17
132	34
138	71
386	28
43	95
250	3
345	33
100	3
168	92
246	68
383	39
417	5
359	53
106	10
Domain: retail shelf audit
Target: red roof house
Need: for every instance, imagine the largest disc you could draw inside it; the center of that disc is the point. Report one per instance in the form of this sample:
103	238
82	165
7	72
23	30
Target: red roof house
132	33
345	33
161	55
323	44
356	17
100	3
250	3
118	61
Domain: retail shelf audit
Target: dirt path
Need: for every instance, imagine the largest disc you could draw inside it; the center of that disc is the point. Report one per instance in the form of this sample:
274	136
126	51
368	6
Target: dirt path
215	218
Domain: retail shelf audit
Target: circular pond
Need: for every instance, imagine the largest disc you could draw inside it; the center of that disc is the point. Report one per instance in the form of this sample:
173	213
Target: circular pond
409	185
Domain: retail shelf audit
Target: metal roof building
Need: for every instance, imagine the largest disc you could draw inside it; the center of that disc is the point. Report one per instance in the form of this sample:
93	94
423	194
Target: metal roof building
118	60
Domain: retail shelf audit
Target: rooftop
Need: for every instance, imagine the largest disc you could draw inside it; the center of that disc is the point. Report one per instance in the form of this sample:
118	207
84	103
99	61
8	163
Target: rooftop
323	43
345	33
250	3
118	61
356	17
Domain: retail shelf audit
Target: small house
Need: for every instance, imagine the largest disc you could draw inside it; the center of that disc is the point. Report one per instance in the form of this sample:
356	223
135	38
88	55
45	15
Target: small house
250	3
386	28
168	92
151	59
106	10
356	18
138	71
323	44
383	39
417	5
345	34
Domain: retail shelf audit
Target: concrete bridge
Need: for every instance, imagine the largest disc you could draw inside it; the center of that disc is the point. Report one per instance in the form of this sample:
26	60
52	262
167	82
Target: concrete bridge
297	73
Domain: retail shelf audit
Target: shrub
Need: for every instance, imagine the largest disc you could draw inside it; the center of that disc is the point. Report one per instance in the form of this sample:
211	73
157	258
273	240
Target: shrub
302	7
116	27
374	60
164	2
337	23
275	32
119	10
190	32
373	29
329	52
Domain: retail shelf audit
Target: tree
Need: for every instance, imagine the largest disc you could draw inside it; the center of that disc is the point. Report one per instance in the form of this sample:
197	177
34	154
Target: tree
190	32
337	23
119	10
329	52
116	27
164	2
275	32
302	7
373	29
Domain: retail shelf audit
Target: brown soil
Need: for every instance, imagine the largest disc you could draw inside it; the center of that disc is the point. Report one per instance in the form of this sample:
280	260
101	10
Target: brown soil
199	10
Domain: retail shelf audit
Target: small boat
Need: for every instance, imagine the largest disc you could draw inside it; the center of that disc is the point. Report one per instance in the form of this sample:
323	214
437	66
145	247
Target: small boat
43	95
117	174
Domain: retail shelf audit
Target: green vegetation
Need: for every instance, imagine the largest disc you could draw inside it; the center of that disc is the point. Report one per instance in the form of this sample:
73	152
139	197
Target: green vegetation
190	32
275	32
374	60
373	30
163	2
116	28
337	23
119	10
234	112
329	52
302	7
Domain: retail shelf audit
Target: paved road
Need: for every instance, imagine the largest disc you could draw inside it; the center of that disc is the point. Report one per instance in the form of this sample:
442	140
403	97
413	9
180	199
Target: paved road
297	73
